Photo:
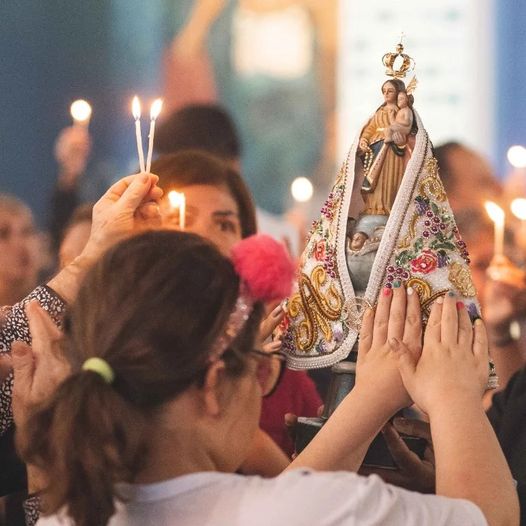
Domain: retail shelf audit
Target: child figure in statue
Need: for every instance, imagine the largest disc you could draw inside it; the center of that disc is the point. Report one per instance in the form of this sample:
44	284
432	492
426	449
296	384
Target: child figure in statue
357	241
401	121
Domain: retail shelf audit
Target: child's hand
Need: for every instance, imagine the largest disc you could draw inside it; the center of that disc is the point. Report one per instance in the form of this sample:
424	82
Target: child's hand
454	361
397	319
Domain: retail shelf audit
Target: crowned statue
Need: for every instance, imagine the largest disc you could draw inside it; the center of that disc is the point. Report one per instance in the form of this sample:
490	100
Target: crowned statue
386	219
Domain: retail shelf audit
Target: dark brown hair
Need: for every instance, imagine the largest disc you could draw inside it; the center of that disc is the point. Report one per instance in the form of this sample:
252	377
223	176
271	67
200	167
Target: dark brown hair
151	308
192	167
201	127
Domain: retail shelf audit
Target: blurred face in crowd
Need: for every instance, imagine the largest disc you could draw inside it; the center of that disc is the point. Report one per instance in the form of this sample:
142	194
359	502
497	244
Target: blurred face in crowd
74	242
480	254
211	212
19	247
470	171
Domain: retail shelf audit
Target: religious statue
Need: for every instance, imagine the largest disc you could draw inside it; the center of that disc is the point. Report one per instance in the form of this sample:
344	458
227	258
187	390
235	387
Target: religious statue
386	219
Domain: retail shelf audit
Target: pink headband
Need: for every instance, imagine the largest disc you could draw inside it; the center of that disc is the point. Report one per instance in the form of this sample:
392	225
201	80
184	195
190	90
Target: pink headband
266	273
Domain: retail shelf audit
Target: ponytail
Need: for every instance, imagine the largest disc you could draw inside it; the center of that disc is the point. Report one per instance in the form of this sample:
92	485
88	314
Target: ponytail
86	439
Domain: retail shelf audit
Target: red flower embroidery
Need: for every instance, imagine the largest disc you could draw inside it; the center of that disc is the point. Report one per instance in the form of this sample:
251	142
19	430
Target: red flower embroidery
425	263
319	251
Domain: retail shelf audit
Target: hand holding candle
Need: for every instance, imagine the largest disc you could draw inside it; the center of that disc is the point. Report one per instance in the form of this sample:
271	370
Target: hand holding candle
136	111
154	113
501	268
178	200
81	113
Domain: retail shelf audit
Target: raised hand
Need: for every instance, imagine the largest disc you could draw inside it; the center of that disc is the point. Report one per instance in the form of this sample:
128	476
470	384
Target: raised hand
397	319
130	205
454	361
37	369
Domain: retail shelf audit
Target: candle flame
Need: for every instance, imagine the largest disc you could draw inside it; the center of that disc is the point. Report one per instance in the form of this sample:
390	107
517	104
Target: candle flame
80	110
517	156
494	211
518	208
155	109
136	108
175	199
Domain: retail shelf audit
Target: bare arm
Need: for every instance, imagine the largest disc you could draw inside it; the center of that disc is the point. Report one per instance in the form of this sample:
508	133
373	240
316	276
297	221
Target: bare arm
265	457
447	383
191	39
343	441
325	18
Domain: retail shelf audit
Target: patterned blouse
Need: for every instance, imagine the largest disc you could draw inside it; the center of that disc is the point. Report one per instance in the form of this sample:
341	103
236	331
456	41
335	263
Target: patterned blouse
15	327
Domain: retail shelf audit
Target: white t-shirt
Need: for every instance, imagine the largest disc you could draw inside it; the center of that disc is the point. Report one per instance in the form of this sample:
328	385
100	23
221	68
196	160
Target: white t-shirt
296	498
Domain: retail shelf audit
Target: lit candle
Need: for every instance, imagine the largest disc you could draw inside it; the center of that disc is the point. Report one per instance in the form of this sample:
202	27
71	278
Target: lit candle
155	109
178	200
497	215
518	209
81	113
136	111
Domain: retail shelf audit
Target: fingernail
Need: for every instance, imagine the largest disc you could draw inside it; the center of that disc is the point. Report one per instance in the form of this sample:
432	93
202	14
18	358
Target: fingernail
396	284
478	321
451	294
440	300
278	311
387	291
144	178
410	291
460	305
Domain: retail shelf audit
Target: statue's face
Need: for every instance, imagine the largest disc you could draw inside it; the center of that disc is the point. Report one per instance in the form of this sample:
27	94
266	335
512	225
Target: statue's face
358	241
389	93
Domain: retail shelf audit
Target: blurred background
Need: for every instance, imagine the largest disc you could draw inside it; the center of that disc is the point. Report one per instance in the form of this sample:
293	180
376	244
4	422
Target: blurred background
299	78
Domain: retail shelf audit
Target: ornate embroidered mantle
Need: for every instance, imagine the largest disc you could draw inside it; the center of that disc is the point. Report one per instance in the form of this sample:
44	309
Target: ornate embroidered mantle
421	246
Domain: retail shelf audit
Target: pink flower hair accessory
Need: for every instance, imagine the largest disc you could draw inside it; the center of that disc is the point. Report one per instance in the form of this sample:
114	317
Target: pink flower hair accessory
265	266
266	272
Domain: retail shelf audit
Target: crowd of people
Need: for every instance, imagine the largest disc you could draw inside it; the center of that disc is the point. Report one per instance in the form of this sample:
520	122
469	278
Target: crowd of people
141	384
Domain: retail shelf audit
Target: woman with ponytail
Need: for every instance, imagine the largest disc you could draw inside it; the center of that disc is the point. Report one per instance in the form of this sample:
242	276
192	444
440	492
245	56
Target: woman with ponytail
165	393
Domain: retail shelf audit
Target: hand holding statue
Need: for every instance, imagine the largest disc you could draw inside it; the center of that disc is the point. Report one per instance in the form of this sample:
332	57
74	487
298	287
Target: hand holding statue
454	361
397	319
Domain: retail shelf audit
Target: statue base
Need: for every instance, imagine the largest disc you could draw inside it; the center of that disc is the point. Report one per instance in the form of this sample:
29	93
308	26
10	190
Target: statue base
342	381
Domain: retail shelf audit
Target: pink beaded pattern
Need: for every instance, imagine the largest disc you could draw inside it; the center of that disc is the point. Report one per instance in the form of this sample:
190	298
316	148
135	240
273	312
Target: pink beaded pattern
237	319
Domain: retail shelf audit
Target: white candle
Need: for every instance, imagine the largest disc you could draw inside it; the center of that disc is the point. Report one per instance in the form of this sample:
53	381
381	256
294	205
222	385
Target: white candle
136	111
178	200
154	113
80	112
497	215
182	212
518	209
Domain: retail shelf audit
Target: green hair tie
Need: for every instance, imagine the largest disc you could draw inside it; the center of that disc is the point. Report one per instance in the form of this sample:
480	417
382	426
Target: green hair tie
101	367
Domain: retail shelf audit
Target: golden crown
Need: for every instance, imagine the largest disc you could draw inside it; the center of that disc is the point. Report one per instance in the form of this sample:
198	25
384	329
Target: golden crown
405	65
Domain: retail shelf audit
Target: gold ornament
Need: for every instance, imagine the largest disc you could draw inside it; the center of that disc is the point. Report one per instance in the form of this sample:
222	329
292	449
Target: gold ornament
317	307
460	277
431	186
389	60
